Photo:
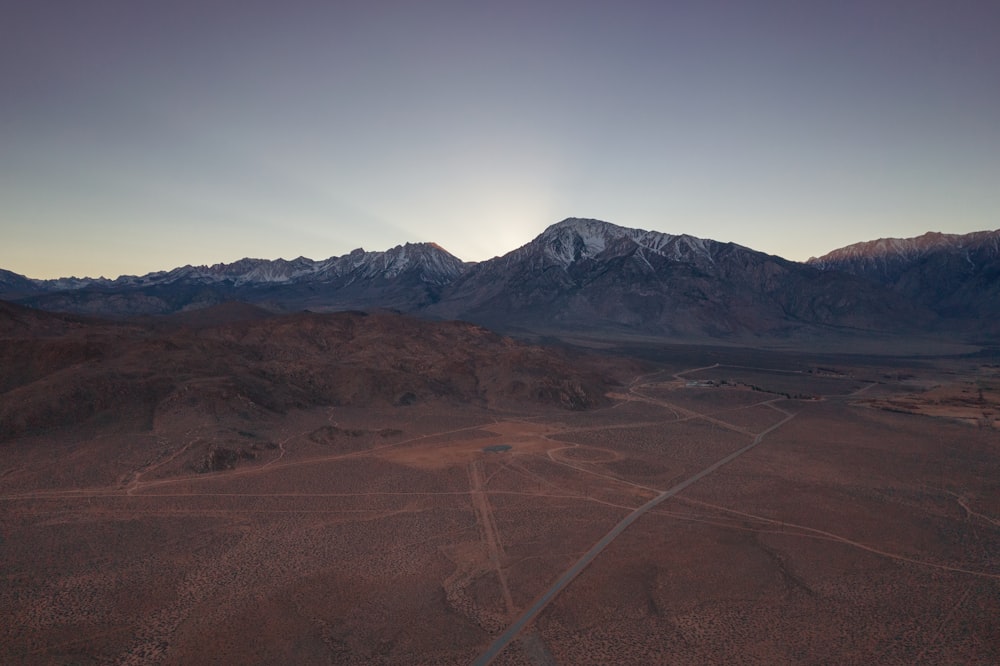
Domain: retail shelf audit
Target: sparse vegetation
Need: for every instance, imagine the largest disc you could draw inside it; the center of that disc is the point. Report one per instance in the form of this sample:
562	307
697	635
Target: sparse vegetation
383	534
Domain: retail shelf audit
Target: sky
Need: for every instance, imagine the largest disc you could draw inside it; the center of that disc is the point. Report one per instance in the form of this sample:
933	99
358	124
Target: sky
141	135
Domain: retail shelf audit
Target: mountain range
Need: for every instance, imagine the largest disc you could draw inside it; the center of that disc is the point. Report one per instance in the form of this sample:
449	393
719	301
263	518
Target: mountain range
583	275
955	276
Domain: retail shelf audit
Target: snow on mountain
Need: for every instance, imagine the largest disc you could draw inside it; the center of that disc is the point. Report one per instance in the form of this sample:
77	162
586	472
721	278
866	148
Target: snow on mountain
886	258
581	273
955	275
263	271
432	263
575	239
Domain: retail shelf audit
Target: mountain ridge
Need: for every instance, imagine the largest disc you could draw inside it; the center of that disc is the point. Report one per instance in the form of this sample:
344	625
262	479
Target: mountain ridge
955	275
887	250
249	269
579	273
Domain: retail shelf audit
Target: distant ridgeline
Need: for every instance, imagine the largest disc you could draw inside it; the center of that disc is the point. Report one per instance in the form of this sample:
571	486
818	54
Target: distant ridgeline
590	277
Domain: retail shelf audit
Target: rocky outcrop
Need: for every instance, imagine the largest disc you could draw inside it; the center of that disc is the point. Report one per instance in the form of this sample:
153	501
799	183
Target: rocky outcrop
92	373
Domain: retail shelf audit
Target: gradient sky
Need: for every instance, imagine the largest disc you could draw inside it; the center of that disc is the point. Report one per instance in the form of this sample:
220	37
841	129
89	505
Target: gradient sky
143	135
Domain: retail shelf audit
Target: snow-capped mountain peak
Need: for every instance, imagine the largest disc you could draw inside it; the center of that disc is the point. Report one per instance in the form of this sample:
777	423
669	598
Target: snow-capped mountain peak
432	263
582	273
575	239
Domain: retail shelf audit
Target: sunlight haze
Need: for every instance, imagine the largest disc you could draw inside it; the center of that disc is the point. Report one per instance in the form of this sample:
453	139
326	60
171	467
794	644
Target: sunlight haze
143	136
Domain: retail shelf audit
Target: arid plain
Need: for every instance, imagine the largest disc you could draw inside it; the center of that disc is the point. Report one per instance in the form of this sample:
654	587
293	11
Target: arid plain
855	520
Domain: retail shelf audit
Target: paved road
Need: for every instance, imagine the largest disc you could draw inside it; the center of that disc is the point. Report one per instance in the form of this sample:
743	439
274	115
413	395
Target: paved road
504	639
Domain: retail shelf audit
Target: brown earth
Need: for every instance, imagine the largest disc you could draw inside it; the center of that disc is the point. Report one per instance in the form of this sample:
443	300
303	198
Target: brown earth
973	400
207	526
243	366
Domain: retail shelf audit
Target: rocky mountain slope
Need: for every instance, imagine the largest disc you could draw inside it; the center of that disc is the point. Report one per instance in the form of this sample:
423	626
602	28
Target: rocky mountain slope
12	284
956	276
404	277
582	274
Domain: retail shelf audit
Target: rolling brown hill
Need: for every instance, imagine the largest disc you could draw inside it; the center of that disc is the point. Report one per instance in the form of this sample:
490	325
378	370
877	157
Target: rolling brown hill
231	486
236	360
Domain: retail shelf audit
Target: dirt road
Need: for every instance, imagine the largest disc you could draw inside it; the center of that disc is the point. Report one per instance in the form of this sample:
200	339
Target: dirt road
504	639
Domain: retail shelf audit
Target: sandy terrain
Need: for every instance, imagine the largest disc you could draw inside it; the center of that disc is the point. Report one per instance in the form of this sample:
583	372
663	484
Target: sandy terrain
973	400
851	533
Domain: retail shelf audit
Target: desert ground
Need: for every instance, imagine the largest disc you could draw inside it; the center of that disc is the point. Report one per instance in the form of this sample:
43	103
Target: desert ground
724	506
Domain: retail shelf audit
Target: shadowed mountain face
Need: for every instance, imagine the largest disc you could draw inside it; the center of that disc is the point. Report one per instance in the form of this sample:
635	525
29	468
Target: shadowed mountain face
591	277
13	285
63	371
405	277
956	276
587	274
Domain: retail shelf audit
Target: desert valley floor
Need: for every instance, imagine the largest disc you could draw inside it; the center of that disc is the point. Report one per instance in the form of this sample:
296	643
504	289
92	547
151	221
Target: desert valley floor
855	520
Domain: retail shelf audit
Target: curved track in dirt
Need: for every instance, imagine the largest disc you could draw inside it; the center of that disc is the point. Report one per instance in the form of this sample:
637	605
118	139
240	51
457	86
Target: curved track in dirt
567	577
